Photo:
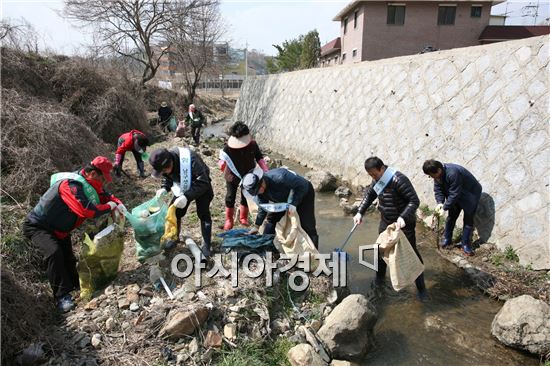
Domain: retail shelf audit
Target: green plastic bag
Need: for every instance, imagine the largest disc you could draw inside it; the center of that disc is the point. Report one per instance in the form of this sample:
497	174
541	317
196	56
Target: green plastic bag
172	124
148	221
100	256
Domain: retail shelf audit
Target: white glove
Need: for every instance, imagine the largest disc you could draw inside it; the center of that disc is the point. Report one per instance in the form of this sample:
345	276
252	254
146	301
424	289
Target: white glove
439	209
121	208
291	209
112	205
252	231
160	192
357	219
400	223
181	201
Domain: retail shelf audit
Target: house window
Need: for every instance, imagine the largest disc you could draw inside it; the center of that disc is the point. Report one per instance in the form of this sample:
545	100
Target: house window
343	57
354	53
355	16
476	11
345	25
446	15
396	14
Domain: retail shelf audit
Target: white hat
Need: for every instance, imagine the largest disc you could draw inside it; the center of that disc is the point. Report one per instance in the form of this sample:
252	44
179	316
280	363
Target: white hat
239	142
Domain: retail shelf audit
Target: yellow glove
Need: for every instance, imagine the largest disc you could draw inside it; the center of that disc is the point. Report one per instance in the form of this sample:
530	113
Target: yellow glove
170	226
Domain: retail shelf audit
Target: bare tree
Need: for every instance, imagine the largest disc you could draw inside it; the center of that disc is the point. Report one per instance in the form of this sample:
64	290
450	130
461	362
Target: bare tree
193	43
18	34
132	28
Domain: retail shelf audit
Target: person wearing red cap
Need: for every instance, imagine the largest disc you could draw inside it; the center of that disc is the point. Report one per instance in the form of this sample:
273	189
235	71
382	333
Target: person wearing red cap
136	142
71	199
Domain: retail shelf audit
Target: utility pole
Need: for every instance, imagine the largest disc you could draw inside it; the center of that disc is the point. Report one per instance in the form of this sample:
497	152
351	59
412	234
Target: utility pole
246	61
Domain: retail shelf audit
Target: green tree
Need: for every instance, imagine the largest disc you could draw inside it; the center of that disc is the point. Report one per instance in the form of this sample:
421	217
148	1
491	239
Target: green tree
300	53
311	50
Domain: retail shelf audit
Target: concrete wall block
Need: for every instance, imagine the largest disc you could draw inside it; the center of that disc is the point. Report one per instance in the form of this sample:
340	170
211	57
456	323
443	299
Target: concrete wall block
519	107
482	63
543	55
523	54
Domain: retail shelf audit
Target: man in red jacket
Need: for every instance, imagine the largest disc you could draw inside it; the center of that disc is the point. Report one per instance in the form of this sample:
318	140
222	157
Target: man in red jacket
136	142
71	199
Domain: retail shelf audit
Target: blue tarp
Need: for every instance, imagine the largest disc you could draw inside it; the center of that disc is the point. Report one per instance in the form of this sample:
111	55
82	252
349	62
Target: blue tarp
238	238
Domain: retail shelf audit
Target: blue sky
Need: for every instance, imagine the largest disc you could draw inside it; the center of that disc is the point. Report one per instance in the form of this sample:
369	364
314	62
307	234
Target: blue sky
258	23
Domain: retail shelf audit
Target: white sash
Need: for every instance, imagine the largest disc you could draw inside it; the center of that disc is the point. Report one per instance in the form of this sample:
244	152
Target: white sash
185	173
227	159
272	207
384	180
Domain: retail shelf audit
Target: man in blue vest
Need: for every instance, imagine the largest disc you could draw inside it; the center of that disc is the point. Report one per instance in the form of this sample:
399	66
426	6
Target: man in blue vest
188	177
288	192
71	198
397	203
456	189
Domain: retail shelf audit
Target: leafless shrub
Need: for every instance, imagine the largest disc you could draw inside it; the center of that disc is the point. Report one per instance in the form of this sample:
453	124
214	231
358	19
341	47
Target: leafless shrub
18	34
39	139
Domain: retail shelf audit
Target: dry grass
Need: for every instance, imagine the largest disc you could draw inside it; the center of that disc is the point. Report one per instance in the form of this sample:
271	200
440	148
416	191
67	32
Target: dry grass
39	139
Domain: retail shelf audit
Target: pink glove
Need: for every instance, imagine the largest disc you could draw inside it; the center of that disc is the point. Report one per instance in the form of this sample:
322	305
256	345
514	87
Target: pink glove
118	159
263	165
222	164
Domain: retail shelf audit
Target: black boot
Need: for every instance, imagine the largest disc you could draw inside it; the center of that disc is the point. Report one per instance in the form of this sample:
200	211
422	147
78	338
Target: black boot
447	241
421	287
206	231
269	228
141	169
467	240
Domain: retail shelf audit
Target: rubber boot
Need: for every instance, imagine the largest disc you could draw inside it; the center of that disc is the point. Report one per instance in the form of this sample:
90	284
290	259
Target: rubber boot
380	278
206	231
243	215
229	214
269	228
421	287
315	240
467	240
447	241
141	169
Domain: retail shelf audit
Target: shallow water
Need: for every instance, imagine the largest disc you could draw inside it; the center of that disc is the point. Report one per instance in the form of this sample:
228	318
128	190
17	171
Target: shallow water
452	328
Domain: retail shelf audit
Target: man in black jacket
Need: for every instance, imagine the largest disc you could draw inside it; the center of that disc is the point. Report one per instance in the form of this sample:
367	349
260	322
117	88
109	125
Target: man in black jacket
196	120
282	186
397	203
188	177
456	189
165	113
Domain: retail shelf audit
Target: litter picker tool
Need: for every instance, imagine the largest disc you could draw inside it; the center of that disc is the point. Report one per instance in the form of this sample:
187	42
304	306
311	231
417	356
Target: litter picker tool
341	249
155	274
435	227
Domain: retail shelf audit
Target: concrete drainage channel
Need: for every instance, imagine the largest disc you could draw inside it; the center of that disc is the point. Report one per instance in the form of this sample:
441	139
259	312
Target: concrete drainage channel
453	328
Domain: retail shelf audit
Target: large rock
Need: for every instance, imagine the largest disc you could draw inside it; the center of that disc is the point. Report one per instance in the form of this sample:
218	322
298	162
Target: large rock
524	323
322	181
347	331
184	323
304	355
342	192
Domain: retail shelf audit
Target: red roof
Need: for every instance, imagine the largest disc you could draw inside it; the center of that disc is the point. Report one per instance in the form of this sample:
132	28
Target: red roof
330	47
508	32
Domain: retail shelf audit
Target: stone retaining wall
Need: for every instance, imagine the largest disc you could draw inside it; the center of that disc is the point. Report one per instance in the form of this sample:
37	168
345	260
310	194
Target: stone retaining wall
484	107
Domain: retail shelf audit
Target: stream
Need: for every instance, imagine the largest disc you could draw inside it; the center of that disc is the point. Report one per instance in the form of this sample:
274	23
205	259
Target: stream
452	328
